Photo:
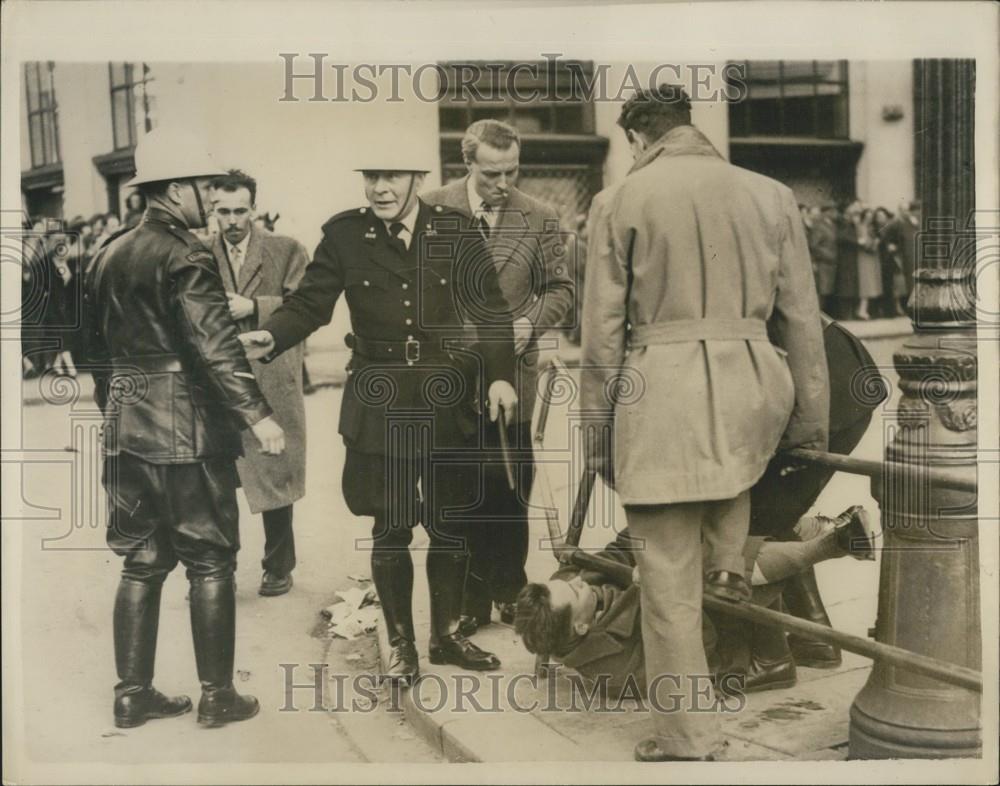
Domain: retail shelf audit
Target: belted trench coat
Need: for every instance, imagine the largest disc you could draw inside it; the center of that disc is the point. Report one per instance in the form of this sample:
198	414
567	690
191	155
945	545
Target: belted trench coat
700	302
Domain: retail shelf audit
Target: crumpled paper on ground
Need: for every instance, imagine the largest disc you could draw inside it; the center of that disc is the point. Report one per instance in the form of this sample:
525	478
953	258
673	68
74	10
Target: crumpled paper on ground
356	613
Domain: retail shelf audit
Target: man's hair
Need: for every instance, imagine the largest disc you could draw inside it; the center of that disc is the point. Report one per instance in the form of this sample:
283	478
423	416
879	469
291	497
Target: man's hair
488	132
542	629
654	112
234	180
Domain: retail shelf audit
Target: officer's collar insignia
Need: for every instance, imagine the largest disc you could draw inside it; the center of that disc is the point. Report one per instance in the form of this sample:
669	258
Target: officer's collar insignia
430	232
370	234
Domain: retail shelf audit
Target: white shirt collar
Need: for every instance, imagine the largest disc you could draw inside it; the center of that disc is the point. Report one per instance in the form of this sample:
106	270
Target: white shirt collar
409	221
242	246
476	203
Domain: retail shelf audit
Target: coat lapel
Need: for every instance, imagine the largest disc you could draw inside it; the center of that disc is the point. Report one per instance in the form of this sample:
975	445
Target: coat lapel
250	274
222	260
511	227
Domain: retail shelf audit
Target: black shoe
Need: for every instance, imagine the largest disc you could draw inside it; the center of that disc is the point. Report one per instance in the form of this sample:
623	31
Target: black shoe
134	705
649	750
272	585
855	533
219	706
459	651
770	675
802	599
726	585
403	663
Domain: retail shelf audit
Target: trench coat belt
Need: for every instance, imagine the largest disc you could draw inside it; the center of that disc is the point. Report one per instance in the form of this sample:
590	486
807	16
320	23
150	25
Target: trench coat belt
151	364
681	330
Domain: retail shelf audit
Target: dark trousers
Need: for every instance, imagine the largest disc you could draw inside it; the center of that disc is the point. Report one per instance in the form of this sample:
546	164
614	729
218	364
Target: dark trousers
160	514
279	541
401	491
499	535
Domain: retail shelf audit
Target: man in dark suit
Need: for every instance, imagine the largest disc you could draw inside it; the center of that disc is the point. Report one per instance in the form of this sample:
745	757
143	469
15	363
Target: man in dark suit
259	269
176	389
413	277
535	265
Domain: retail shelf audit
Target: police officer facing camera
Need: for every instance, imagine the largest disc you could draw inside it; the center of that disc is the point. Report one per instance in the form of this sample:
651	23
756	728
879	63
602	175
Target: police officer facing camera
414	277
176	389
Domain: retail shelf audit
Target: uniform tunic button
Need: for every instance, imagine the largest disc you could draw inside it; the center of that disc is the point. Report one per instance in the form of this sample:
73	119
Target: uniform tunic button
444	281
406	302
409	322
406	286
368	283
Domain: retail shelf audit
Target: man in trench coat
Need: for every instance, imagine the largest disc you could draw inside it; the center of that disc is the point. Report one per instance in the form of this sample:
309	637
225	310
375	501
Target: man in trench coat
700	302
259	269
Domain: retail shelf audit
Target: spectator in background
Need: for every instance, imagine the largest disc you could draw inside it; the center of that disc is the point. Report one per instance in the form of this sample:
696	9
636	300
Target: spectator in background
900	237
869	269
893	284
846	289
135	206
823	252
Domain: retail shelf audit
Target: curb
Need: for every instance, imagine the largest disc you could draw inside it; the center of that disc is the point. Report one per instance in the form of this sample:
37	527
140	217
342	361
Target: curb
482	737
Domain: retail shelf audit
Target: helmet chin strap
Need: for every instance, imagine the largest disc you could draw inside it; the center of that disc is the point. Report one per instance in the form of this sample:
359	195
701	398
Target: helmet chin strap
202	215
409	193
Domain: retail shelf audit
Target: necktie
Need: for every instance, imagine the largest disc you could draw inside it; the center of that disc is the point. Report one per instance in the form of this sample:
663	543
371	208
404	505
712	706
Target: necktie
236	257
484	225
396	228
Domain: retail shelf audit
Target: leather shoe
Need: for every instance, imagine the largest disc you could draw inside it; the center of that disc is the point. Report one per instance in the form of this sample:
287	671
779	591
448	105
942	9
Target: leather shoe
725	585
133	708
470	623
403	664
649	750
219	706
272	585
770	675
459	651
855	533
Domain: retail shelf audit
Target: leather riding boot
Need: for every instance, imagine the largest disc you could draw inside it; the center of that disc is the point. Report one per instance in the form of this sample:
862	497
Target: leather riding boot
802	599
136	620
446	577
392	573
771	662
213	627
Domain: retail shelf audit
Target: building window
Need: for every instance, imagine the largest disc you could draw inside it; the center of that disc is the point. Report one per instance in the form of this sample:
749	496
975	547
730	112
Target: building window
133	102
792	98
536	98
43	115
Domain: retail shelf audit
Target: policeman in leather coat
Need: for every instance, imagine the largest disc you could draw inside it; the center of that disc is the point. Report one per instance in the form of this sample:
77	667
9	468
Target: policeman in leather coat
176	389
432	338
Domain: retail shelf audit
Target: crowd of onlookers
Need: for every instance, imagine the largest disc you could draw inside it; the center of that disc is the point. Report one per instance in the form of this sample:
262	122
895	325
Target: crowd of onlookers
863	257
57	255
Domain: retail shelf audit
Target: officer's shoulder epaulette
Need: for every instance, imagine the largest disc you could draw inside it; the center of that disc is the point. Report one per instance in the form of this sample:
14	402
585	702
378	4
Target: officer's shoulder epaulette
355	213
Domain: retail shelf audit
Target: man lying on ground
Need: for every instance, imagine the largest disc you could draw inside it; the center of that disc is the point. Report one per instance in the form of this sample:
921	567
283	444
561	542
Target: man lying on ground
591	624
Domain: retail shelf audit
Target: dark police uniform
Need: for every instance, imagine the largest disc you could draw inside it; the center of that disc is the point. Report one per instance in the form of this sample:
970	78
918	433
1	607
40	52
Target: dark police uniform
176	388
431	331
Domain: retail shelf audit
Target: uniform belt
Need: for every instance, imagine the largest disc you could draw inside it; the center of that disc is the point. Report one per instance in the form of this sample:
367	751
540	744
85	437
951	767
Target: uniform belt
411	351
681	330
149	363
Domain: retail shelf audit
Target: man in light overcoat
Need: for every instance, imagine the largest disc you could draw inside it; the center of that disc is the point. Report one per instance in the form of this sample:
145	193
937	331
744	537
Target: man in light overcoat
700	299
259	269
